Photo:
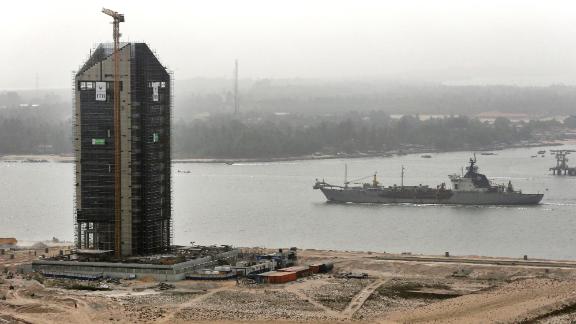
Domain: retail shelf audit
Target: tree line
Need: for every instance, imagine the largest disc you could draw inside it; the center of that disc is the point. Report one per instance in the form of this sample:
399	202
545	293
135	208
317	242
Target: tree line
261	135
34	136
224	136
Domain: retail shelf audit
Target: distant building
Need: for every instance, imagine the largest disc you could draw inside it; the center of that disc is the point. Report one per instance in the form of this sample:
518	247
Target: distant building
44	149
145	98
8	242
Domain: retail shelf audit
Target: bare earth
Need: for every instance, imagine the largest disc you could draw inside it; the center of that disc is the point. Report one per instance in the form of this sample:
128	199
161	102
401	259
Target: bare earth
394	292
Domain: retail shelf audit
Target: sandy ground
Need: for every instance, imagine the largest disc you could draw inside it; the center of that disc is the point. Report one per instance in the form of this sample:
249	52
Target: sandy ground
36	158
394	292
22	257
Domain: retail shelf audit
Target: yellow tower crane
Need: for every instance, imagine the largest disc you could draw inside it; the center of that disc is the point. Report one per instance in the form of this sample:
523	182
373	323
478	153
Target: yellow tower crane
118	18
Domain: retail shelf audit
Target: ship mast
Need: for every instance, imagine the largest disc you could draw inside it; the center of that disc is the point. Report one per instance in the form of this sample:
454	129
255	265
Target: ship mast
345	175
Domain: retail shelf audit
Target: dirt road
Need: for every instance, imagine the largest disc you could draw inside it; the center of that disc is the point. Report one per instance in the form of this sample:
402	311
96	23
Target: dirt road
396	291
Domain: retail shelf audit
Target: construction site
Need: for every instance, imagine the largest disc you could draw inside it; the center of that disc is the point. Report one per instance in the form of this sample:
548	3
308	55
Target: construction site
349	287
123	196
123	265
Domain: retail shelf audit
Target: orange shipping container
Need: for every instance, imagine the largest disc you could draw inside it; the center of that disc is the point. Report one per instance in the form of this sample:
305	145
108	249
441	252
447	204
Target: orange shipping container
8	241
275	277
302	271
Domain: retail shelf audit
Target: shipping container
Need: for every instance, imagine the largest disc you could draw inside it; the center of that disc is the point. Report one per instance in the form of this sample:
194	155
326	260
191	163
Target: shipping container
276	277
321	267
301	271
8	241
315	268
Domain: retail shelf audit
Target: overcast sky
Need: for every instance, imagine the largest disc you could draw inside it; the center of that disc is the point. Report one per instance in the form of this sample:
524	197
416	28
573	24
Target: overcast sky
513	42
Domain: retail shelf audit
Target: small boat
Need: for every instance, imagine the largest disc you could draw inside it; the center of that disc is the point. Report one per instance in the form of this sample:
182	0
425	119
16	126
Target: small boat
487	153
541	152
426	156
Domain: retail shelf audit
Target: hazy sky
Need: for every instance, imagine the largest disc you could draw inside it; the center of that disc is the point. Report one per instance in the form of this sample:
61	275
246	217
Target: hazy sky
514	42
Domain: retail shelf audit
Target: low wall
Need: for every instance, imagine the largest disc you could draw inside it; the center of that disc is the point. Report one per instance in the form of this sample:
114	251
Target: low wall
126	270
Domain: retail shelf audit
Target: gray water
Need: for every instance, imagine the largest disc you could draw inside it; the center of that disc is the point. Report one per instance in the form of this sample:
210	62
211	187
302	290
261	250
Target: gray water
273	205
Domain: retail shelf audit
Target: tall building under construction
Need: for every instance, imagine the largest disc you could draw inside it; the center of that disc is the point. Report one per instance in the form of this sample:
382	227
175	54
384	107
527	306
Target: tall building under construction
141	223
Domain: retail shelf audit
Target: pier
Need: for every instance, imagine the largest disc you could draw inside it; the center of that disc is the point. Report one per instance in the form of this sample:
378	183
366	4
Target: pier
562	167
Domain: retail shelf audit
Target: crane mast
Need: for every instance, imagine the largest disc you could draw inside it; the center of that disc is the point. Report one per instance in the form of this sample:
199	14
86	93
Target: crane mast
117	19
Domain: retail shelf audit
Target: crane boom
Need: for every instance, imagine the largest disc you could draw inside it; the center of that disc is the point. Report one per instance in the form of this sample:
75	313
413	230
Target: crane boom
113	14
118	18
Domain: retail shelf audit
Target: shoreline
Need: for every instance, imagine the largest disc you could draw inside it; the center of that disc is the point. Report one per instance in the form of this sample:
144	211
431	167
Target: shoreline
44	158
406	256
360	155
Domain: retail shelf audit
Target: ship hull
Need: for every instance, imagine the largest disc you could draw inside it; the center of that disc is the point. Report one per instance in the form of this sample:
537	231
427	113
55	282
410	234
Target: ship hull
455	198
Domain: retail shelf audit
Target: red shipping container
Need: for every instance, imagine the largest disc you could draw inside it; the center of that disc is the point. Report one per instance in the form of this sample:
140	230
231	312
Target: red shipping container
275	277
315	268
302	271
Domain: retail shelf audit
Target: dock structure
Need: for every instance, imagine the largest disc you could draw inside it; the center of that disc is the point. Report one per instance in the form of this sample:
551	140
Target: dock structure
562	167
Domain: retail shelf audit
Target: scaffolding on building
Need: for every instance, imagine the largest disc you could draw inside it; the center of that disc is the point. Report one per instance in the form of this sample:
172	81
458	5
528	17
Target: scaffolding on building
149	100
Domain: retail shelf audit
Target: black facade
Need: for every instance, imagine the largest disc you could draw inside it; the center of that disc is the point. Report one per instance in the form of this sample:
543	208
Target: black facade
145	98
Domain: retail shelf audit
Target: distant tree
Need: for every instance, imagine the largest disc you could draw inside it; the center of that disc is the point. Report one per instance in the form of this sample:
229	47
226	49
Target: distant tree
266	135
570	121
10	99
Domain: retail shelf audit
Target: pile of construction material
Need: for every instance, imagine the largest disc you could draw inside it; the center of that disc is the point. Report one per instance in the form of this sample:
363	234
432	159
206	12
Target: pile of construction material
282	258
276	267
241	269
321	267
250	266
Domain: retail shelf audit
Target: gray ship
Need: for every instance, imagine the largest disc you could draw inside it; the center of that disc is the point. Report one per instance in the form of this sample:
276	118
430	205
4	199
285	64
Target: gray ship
472	188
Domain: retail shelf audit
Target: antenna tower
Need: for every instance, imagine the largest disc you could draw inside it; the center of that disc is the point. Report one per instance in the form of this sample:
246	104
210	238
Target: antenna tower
236	103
